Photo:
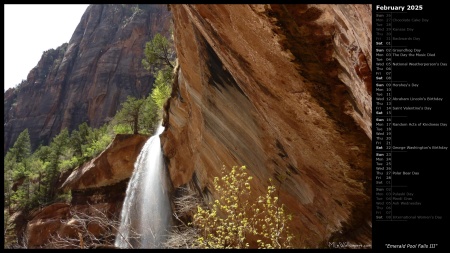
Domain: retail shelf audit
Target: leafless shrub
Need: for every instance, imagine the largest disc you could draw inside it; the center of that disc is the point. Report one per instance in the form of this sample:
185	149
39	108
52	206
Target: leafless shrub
187	203
93	230
183	235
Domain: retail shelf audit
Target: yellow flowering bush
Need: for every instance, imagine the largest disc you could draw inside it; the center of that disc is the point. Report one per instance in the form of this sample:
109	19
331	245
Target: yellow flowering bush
232	221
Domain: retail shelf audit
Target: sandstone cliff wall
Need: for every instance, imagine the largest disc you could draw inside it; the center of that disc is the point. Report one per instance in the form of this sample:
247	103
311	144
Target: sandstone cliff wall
286	91
86	79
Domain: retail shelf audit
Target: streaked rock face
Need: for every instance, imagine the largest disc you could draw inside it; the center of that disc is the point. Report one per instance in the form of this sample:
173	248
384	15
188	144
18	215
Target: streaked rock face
86	79
286	91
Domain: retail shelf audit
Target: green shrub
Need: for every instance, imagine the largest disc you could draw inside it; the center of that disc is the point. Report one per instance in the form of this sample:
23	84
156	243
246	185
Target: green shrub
122	129
161	91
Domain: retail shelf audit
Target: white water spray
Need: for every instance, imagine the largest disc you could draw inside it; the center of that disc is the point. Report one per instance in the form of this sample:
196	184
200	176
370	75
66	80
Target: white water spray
146	211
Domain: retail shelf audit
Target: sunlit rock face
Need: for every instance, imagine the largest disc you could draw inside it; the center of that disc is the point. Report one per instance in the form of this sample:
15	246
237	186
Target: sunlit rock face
86	79
286	91
114	164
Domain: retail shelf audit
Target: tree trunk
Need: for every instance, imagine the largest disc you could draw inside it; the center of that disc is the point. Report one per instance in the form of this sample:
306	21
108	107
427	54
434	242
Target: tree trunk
135	127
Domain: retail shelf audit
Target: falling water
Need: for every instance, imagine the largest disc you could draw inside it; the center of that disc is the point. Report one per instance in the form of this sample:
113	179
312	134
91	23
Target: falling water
145	217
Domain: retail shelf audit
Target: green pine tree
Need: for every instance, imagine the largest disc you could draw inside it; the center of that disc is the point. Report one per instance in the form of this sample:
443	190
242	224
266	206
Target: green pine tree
159	54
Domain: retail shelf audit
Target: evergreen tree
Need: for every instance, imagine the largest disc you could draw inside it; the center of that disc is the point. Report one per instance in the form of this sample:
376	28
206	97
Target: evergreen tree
22	147
9	167
85	131
76	143
159	59
58	145
159	54
131	112
16	169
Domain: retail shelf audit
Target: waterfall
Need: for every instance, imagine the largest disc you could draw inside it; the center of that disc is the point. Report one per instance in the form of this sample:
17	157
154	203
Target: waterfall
146	211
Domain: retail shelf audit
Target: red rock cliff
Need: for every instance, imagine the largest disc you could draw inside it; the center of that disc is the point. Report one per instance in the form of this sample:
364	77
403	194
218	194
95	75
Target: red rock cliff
286	91
86	79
